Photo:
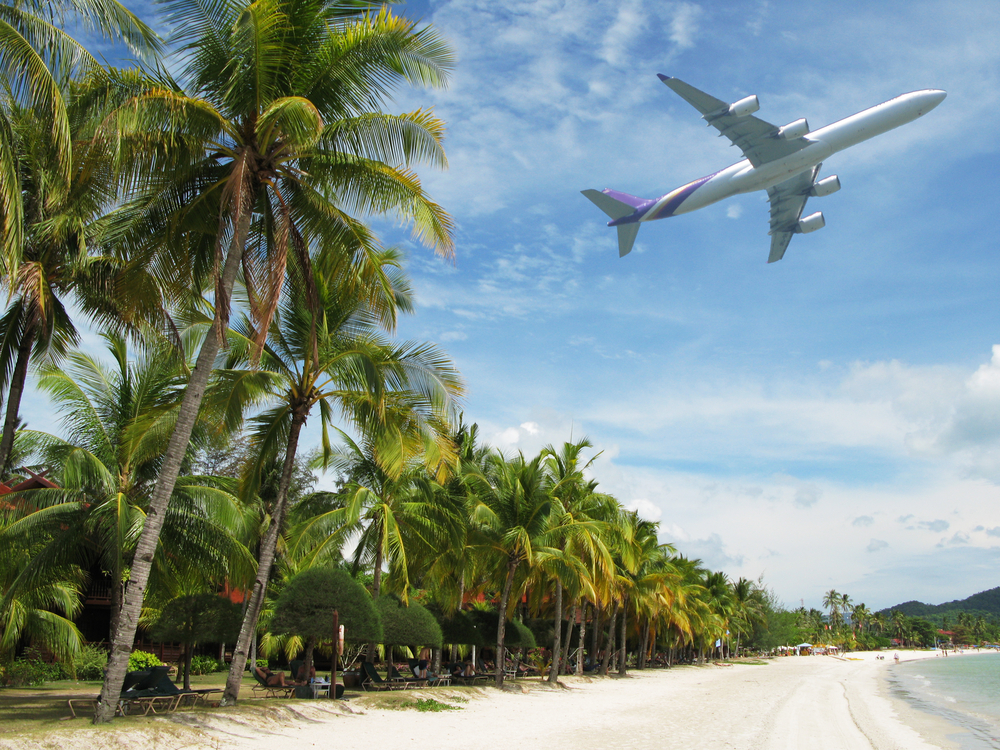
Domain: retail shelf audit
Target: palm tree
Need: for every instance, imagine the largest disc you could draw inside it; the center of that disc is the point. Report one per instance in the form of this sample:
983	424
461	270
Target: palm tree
60	232
832	600
38	59
749	609
398	396
510	515
280	136
116	419
38	609
573	530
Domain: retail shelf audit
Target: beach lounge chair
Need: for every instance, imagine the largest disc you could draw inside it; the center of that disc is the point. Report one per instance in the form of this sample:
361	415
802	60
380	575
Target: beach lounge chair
393	675
131	680
155	693
432	680
372	680
455	669
270	691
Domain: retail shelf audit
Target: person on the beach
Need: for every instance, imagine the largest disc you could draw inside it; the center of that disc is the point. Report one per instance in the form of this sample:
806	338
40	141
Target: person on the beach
462	669
270	678
896	657
423	663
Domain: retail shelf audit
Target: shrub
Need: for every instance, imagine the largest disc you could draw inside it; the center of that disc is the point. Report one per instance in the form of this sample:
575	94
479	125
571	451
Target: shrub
28	671
206	665
89	663
138	660
409	625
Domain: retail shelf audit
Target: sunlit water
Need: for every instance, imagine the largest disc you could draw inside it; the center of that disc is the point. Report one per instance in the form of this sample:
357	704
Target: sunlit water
964	690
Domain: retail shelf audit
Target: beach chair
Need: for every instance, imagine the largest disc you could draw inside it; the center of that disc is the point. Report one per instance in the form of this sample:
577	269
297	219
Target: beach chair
131	680
432	680
156	694
455	670
373	680
270	691
393	676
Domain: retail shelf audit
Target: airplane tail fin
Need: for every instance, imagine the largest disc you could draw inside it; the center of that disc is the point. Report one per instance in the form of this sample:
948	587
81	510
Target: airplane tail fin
618	205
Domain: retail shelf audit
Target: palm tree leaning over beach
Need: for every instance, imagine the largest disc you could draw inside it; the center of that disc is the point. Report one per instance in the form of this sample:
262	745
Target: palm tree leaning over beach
398	396
280	137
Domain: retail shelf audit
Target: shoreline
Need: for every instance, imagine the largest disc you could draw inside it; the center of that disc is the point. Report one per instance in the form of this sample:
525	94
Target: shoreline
784	704
937	728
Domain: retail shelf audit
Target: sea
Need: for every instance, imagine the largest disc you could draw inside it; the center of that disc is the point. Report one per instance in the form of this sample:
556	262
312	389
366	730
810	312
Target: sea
964	690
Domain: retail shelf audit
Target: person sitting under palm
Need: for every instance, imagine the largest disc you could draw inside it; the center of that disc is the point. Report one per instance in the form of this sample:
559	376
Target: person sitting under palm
271	679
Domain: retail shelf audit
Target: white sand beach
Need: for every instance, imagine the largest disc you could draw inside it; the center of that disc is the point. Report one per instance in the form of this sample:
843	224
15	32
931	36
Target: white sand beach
789	703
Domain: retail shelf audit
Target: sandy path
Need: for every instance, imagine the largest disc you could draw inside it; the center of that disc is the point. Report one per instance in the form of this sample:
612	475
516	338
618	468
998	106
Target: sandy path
796	702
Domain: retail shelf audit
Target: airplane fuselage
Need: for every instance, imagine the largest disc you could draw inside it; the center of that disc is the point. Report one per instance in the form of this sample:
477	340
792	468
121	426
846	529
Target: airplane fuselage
743	177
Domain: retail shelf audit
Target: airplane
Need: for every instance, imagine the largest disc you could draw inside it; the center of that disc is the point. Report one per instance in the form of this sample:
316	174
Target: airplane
784	161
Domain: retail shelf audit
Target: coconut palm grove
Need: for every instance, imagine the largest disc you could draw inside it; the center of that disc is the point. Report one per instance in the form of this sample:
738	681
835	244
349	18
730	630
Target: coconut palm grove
207	211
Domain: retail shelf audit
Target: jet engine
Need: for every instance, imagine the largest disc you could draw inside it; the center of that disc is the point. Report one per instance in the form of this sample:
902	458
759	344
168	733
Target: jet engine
811	223
825	186
794	130
744	107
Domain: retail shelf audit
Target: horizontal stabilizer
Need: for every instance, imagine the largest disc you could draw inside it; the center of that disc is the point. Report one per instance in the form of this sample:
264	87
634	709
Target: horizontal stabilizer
615	207
626	238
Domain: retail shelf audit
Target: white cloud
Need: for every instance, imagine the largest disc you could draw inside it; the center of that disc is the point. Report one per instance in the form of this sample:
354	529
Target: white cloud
646	509
734	210
684	27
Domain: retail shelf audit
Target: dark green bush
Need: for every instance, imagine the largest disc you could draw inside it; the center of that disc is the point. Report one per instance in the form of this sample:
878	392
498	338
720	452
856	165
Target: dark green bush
305	607
405	625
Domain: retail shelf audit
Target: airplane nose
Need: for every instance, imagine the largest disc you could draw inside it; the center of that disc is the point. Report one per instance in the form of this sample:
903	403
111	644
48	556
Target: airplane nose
934	97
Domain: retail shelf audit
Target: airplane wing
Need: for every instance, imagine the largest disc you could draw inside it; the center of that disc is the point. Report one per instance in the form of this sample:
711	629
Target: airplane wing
787	199
757	139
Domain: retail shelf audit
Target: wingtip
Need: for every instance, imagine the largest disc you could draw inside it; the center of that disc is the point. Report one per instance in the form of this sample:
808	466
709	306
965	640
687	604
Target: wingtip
663	77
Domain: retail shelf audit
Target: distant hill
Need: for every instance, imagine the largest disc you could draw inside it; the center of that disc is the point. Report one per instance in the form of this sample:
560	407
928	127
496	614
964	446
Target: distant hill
986	603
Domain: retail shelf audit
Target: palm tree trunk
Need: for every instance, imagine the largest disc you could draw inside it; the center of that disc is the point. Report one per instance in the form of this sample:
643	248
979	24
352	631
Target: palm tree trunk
14	394
569	634
376	591
609	644
644	645
156	512
307	667
461	598
595	636
624	641
265	559
582	640
188	653
502	621
557	635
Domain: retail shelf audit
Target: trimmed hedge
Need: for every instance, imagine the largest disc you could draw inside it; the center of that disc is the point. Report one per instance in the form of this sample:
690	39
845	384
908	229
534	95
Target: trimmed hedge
305	607
404	625
516	634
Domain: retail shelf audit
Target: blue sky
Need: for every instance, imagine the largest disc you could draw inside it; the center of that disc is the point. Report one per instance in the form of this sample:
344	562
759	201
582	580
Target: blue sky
831	420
